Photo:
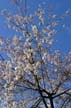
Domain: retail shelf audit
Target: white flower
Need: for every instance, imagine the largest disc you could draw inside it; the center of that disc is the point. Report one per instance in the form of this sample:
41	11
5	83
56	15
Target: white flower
67	12
41	20
51	33
38	64
55	70
1	42
28	67
16	78
8	65
48	27
15	40
54	16
54	24
35	30
69	91
48	57
50	42
44	30
44	56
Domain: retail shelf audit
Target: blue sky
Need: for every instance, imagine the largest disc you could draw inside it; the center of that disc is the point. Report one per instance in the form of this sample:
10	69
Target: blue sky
60	6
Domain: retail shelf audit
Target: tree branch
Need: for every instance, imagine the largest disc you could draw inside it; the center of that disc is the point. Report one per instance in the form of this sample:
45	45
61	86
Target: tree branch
61	93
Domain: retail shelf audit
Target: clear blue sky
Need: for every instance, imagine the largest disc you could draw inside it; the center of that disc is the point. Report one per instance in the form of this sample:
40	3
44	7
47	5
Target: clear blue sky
60	6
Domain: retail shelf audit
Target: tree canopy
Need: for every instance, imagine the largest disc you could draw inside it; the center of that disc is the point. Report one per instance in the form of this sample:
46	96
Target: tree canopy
32	75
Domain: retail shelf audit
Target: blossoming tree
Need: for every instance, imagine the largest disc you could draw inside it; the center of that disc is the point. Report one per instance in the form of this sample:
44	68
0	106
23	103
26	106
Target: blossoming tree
33	76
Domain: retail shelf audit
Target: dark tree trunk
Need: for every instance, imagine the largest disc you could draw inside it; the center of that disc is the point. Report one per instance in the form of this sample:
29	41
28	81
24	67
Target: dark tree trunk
51	102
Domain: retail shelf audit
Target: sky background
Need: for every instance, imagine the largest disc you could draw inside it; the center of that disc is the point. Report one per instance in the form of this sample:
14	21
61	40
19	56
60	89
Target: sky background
60	6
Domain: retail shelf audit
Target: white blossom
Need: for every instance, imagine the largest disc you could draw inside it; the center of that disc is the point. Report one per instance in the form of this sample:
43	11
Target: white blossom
35	30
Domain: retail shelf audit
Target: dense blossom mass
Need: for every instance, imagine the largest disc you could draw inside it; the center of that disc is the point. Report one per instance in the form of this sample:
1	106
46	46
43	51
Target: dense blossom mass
31	75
